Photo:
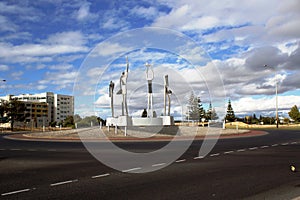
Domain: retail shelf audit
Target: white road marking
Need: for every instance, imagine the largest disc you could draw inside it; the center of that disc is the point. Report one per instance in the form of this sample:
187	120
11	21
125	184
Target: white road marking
15	192
274	145
293	142
263	147
31	150
253	148
284	144
179	161
64	182
101	175
132	169
158	164
215	154
241	150
198	157
228	152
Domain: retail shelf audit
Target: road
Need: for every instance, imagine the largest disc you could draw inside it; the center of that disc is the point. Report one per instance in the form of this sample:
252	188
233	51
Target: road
253	168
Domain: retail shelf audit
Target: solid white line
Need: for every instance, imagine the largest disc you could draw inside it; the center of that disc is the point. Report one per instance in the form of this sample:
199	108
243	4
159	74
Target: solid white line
198	157
132	169
274	145
179	161
15	192
64	182
241	150
283	144
101	175
215	154
158	164
253	148
228	152
262	147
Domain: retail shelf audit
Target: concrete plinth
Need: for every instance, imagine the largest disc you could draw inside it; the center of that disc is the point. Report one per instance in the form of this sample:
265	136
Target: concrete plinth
147	121
119	121
167	120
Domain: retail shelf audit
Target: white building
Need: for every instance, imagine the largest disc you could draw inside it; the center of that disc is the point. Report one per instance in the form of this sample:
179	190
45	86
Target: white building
59	106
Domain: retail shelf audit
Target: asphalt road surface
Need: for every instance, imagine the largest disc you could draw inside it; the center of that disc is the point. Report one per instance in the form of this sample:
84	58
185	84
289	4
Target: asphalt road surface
252	168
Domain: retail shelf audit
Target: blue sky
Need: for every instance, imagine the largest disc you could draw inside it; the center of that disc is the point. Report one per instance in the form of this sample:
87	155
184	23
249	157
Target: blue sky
46	45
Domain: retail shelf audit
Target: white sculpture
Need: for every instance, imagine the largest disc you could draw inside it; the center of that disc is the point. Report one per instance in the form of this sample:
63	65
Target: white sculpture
149	77
111	95
123	89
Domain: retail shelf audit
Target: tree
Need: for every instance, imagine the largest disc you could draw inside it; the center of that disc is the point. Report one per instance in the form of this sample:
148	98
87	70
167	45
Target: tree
16	112
69	121
214	115
230	117
211	113
294	113
77	118
195	109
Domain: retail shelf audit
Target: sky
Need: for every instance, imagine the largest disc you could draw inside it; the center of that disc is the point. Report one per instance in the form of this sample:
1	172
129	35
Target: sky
216	49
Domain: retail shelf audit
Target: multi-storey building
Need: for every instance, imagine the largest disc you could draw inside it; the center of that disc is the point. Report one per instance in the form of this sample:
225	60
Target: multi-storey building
45	107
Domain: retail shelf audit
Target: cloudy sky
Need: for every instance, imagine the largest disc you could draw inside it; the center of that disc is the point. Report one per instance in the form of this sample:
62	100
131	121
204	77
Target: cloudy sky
77	47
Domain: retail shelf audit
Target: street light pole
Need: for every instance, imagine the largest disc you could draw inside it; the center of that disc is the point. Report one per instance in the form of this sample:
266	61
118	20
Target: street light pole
276	93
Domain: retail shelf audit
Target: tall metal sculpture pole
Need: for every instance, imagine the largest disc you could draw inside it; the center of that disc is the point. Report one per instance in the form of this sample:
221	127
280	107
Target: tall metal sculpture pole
123	89
111	95
149	77
167	93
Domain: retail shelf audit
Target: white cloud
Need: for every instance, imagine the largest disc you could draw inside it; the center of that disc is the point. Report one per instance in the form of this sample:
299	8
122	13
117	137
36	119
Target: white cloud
17	75
264	104
109	49
148	13
62	67
73	38
4	68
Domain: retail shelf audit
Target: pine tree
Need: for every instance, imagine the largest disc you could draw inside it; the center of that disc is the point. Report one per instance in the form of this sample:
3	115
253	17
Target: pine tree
230	117
195	109
211	113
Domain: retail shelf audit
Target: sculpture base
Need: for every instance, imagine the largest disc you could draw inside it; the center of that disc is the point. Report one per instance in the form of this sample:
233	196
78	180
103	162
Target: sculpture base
167	120
119	121
147	121
140	121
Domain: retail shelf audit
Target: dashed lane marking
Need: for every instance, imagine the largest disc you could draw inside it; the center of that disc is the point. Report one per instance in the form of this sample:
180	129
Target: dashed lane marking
228	152
101	175
15	192
132	169
158	164
241	150
179	161
15	149
63	182
284	144
253	148
274	145
198	157
215	154
263	147
293	142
